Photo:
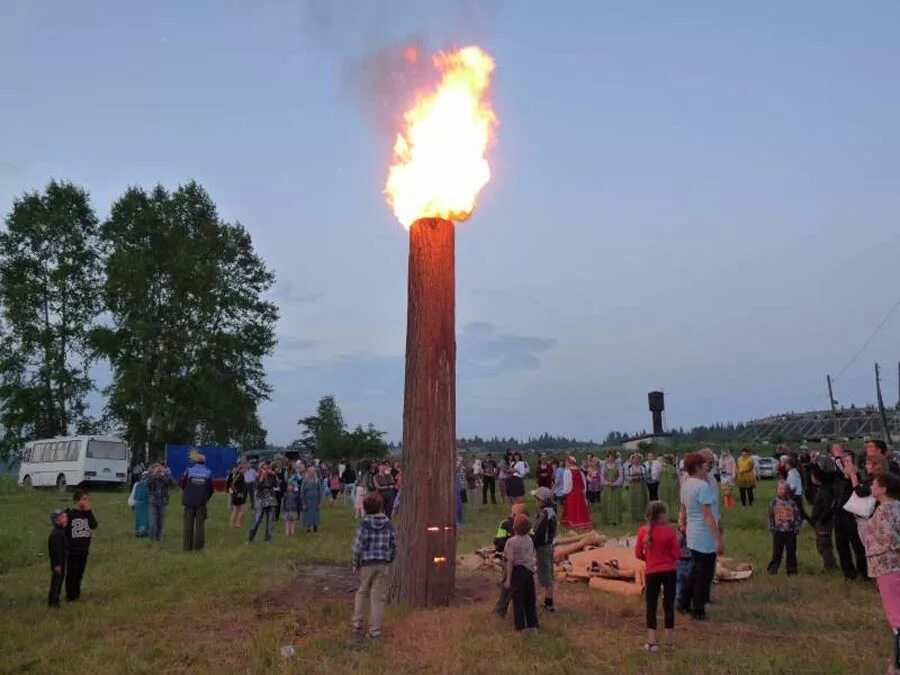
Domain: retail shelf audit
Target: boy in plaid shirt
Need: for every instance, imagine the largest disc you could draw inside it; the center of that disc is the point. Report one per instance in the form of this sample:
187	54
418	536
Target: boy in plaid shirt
374	549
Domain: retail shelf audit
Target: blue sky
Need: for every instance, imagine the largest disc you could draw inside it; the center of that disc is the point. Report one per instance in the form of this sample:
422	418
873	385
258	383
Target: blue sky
700	197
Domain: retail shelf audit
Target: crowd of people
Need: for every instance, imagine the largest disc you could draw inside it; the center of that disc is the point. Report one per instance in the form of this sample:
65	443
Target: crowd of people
854	509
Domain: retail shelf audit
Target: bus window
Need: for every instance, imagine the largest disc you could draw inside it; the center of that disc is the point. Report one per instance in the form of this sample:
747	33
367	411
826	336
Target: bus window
37	453
72	452
59	451
106	450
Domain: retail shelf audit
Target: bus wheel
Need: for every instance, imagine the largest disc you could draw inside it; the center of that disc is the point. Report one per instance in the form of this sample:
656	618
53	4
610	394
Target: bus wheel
61	483
26	483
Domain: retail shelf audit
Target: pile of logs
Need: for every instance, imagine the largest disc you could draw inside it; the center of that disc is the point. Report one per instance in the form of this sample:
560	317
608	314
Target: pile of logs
606	565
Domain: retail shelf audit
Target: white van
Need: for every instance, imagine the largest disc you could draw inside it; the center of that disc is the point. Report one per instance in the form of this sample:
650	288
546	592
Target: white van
74	460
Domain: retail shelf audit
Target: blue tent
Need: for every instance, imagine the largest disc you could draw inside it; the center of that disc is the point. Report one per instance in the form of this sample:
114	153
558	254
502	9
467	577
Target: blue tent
219	459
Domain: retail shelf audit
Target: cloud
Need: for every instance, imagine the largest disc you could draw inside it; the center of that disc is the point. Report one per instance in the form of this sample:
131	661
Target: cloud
483	352
286	292
295	344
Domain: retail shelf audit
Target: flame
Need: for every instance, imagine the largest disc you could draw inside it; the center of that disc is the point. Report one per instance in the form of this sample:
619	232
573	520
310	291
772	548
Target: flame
439	165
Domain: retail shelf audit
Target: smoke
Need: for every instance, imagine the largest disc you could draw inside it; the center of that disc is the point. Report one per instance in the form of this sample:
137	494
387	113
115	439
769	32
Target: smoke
382	48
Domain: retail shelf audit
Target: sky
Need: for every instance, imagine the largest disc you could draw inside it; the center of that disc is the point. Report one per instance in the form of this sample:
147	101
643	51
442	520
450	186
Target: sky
700	197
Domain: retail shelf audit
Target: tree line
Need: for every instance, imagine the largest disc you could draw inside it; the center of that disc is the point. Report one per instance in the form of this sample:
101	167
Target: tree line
163	290
544	442
714	433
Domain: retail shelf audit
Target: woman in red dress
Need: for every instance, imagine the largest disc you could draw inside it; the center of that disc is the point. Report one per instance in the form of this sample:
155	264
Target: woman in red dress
577	516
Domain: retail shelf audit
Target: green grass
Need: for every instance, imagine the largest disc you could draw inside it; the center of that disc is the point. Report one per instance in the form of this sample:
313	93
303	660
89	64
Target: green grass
229	609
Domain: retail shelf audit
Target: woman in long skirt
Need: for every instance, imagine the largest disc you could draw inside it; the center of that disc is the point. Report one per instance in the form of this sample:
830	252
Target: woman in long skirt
311	500
669	487
140	502
611	479
635	478
577	516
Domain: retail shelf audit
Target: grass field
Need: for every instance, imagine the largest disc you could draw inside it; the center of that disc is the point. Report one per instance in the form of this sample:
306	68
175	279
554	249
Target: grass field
229	609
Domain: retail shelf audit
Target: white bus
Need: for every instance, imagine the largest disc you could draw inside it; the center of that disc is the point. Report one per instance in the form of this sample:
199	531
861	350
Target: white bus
74	460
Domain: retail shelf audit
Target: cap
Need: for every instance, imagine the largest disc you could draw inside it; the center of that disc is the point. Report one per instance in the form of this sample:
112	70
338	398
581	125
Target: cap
56	513
543	494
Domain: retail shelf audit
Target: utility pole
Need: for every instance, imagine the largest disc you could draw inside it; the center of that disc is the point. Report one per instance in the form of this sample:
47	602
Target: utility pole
884	420
833	408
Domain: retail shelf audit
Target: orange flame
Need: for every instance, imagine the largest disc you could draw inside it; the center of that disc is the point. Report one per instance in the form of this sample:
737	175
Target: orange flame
439	165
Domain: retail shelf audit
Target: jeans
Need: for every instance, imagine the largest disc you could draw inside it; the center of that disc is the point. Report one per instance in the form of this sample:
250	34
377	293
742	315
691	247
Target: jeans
653	489
746	496
56	584
665	581
848	543
505	598
524	599
780	542
75	565
824	546
267	512
374	583
194	528
682	570
699	581
489	484
157	519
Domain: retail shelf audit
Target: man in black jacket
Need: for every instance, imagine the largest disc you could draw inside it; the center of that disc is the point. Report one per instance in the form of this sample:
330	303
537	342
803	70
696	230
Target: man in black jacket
56	548
489	473
197	489
79	530
822	516
846	535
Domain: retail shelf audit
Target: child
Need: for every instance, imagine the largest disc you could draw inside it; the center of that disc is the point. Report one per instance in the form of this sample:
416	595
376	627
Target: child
358	500
504	531
80	526
657	545
784	524
519	555
682	570
544	534
56	547
374	549
290	508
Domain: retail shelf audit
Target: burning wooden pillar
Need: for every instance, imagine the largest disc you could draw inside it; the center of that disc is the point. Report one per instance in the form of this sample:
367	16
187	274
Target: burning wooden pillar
426	571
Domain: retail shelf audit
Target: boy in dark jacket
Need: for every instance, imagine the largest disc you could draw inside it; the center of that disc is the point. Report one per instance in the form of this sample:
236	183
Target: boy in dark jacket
56	548
544	534
79	530
374	549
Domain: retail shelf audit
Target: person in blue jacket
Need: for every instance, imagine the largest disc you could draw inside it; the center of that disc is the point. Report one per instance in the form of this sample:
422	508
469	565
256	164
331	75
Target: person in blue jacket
197	489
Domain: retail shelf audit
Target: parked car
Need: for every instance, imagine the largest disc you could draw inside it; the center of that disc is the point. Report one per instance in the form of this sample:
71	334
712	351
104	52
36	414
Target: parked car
766	467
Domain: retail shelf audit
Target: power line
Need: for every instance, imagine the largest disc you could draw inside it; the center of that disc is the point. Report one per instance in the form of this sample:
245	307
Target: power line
870	338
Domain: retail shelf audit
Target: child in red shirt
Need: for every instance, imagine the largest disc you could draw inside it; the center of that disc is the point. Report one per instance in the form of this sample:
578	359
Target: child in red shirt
657	545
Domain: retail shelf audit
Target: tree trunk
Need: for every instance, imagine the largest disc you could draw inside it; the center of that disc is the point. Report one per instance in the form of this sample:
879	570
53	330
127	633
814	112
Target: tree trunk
426	570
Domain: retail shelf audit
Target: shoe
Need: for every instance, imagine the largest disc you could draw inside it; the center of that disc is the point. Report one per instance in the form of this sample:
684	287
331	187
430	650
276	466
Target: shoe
699	615
651	647
681	609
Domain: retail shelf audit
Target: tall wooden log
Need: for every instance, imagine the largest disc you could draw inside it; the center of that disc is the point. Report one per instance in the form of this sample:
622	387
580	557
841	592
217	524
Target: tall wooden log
426	569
